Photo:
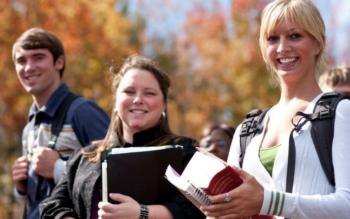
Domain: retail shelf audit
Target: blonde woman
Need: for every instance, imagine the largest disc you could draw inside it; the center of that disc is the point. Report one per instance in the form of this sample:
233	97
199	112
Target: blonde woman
292	42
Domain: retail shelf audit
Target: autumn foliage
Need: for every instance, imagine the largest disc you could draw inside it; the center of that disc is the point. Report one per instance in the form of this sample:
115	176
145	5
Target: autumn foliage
219	73
214	61
216	69
94	34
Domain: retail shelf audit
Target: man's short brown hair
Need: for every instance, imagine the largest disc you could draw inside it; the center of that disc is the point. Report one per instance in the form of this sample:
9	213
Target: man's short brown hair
37	38
335	77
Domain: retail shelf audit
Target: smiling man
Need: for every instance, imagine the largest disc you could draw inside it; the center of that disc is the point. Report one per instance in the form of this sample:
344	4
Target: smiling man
39	60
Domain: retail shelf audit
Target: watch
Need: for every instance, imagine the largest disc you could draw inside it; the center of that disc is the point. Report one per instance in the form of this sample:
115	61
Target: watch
144	212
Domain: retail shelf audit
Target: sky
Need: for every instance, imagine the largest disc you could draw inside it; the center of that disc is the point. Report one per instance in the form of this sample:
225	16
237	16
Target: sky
164	23
339	32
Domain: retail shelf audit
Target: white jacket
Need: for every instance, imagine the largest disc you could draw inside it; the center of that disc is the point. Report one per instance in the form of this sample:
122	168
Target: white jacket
313	197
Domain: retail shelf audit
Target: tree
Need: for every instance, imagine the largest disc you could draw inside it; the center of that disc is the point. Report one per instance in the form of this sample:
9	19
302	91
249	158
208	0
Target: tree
219	73
95	35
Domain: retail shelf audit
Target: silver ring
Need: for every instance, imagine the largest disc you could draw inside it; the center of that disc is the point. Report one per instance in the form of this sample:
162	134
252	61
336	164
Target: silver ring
228	197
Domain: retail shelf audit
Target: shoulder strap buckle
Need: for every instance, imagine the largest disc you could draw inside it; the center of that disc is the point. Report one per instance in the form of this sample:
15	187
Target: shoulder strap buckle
249	127
325	114
251	122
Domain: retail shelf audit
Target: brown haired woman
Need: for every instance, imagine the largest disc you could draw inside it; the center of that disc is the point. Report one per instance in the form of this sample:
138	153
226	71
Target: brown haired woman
139	119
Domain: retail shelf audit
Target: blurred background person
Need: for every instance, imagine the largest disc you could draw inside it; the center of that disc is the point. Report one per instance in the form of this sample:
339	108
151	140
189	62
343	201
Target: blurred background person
217	139
336	79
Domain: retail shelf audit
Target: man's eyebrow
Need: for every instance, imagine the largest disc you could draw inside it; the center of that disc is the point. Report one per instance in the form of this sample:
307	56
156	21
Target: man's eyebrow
32	55
39	54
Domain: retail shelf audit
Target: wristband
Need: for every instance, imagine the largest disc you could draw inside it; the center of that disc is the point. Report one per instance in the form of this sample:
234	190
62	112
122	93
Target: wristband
143	212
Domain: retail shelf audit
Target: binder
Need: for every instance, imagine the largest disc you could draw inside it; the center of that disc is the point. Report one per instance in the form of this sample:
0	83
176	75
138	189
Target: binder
139	172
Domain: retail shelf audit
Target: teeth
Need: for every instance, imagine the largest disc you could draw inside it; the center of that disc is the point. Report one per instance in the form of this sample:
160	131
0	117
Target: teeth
137	111
287	60
31	76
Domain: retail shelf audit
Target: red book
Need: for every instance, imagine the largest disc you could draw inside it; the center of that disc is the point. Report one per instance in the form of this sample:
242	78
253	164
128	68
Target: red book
206	175
223	181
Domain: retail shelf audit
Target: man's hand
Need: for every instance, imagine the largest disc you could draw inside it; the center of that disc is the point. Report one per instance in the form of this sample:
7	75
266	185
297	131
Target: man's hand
44	160
20	174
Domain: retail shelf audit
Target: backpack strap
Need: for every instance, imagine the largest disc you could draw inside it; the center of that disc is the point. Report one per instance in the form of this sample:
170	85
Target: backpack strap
304	118
59	118
322	131
249	128
56	127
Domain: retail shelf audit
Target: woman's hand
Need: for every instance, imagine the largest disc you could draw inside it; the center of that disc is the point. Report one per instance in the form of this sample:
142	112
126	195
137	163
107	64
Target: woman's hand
127	208
243	201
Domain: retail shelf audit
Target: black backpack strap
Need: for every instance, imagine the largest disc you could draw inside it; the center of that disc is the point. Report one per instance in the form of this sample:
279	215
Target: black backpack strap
291	163
322	131
303	119
249	128
59	118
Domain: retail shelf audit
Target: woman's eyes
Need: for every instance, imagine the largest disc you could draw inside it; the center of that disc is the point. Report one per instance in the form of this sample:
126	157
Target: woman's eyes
129	92
295	36
147	93
275	38
150	93
272	39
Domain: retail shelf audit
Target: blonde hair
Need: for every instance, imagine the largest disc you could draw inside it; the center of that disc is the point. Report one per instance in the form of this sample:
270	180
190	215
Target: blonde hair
300	12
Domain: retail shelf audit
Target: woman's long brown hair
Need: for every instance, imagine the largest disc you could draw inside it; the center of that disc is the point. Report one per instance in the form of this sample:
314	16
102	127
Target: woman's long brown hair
114	136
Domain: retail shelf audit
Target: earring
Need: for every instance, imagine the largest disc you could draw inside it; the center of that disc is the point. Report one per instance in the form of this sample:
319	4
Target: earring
115	110
163	114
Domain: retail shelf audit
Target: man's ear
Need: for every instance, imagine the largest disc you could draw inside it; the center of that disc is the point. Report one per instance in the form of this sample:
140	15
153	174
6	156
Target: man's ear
59	63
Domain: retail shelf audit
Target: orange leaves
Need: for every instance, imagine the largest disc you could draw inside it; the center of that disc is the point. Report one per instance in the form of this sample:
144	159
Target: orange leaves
244	5
219	71
94	34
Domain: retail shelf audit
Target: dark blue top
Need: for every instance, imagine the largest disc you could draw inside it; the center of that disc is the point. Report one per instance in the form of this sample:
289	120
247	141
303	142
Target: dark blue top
85	122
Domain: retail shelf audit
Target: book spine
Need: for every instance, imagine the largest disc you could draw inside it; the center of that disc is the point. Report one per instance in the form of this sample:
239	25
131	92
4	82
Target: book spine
199	195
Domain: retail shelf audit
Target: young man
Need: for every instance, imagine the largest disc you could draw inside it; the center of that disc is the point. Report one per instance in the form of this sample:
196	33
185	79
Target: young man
336	79
39	60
